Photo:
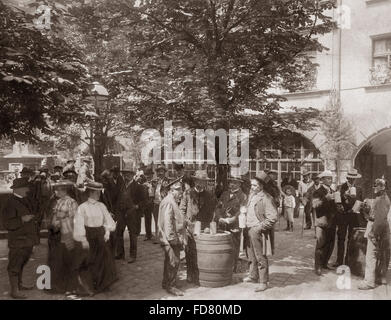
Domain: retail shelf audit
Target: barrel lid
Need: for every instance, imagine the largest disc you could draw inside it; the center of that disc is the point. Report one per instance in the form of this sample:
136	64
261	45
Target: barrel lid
219	235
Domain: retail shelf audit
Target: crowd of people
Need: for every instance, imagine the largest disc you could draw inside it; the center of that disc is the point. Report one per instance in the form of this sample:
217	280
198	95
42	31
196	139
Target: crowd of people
86	221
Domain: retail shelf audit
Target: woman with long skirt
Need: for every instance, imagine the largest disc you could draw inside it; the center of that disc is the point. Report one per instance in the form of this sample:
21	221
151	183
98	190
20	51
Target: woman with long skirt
93	224
60	240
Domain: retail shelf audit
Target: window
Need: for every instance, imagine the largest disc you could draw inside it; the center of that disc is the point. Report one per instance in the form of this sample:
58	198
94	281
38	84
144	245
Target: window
380	73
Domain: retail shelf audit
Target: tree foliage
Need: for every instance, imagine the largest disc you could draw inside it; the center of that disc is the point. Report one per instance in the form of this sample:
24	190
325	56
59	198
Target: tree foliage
41	76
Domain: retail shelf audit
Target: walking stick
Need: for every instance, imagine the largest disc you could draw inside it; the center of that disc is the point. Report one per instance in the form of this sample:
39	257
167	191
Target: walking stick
302	223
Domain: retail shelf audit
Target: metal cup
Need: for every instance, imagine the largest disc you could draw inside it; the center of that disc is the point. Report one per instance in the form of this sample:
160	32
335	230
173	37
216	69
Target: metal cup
357	206
213	227
242	221
337	197
197	228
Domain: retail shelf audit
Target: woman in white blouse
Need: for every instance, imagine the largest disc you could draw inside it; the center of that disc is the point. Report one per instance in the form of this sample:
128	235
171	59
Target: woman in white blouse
92	226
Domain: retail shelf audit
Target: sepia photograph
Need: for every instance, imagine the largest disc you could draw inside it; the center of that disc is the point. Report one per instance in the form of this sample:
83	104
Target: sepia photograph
180	151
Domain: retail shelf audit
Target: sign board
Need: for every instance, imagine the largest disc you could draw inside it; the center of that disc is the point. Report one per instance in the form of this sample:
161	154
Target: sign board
15	167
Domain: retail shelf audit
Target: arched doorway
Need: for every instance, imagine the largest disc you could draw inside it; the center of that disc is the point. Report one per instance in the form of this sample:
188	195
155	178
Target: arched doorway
373	159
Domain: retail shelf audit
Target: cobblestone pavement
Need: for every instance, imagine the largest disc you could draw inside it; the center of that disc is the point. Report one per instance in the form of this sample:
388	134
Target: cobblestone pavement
291	276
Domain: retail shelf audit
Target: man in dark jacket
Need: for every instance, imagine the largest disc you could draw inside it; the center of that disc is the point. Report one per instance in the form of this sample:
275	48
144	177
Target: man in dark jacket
228	210
347	220
21	222
325	210
131	197
205	199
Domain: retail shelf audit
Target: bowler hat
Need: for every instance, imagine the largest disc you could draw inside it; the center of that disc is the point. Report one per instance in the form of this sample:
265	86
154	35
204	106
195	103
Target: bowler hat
58	168
201	175
20	183
161	167
27	170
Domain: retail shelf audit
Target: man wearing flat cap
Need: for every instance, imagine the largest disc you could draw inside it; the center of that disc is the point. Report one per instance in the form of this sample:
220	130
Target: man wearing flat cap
325	211
21	223
170	225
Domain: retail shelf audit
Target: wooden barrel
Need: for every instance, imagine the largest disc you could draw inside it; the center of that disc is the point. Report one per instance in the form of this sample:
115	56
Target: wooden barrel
215	259
357	251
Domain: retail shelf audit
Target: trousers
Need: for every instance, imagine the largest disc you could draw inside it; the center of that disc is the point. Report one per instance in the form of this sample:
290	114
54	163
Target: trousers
171	265
127	219
308	214
259	263
148	218
345	224
17	259
325	239
191	259
377	260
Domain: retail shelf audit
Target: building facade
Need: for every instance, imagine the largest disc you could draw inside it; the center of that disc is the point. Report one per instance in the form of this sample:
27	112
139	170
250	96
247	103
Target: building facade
358	67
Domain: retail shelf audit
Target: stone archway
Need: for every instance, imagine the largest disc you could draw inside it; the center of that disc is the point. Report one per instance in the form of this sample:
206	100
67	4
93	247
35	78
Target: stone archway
373	159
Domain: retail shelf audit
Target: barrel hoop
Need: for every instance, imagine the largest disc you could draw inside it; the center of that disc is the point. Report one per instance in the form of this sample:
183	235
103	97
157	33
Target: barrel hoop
219	271
215	251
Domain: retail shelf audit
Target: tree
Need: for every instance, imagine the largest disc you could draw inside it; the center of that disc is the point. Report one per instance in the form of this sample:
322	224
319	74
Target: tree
41	76
338	132
207	63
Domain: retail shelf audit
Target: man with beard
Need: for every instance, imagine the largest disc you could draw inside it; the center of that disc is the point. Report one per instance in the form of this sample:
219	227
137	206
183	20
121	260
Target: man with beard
170	224
160	191
205	199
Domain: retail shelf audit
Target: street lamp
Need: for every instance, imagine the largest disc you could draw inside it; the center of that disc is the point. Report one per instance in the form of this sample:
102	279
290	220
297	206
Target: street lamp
98	97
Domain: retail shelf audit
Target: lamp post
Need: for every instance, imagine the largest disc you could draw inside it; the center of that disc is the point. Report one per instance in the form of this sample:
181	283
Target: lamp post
98	97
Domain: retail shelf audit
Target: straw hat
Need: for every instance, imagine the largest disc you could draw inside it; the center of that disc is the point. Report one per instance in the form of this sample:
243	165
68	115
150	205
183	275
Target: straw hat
353	174
325	174
306	173
63	183
94	186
